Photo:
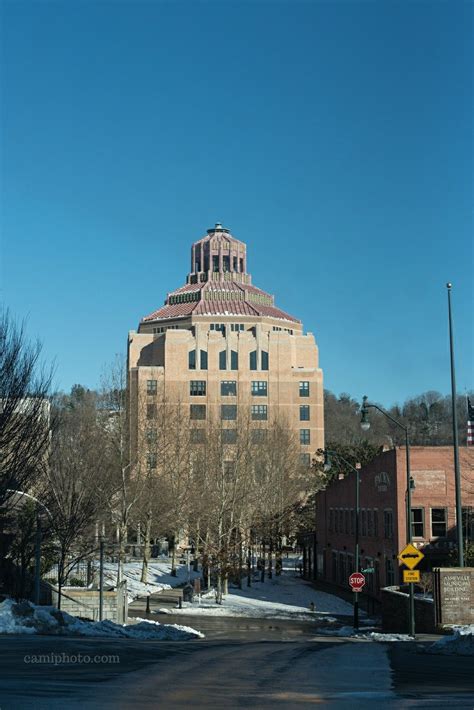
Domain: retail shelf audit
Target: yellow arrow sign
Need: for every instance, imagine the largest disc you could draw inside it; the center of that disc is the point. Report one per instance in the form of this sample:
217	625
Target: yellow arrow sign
410	556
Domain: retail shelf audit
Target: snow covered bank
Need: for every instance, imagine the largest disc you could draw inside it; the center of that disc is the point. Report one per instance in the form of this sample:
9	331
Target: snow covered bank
461	643
283	597
27	618
159	577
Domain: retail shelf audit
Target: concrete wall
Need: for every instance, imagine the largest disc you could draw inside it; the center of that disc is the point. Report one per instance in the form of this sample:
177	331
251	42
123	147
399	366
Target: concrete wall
395	612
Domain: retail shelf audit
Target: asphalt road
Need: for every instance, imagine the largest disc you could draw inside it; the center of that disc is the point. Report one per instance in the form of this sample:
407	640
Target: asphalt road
241	670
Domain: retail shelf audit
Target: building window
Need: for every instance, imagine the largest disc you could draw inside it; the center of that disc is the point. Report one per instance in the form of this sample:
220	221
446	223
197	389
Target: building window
346	522
370	523
259	411
264	360
198	436
151	386
197	388
151	461
151	411
363	517
228	388
389	573
438	522
228	468
305	436
331	520
388	524
223	360
203	360
417	522
376	523
151	437
258	435
198	411
234	360
259	388
192	360
352	521
468	523
253	360
229	411
229	436
304	389
304	413
305	460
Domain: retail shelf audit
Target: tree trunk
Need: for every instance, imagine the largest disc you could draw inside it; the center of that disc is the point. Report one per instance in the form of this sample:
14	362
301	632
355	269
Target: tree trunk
270	558
262	562
278	562
241	561
249	564
173	557
146	548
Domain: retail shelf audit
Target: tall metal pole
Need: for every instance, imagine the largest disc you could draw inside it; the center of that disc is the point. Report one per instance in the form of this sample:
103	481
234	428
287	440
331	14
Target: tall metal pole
411	610
101	579
457	474
38	557
357	563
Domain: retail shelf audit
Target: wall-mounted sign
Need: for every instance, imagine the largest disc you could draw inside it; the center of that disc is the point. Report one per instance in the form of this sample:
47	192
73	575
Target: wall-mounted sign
382	481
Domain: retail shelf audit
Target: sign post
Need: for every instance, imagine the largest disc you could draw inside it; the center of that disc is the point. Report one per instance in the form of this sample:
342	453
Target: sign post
410	556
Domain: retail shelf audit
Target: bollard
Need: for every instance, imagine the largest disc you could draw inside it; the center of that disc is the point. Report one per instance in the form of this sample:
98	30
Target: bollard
180	603
148	604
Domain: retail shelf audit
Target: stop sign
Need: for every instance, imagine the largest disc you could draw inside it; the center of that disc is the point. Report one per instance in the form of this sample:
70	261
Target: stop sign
357	581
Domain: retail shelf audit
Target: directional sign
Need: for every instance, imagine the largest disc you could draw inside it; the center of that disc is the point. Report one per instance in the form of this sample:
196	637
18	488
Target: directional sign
411	575
357	581
368	570
410	556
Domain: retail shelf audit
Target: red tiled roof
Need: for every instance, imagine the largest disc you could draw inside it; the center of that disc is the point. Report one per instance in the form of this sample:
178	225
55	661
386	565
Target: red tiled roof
218	307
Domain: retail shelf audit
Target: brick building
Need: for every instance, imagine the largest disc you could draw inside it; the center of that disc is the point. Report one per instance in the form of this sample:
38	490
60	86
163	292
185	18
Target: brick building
382	522
220	346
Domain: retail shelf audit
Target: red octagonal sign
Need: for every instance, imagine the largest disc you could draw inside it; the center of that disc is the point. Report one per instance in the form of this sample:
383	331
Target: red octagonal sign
357	581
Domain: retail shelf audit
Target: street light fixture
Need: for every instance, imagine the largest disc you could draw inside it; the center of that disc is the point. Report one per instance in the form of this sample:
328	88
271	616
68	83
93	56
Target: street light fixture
327	467
410	485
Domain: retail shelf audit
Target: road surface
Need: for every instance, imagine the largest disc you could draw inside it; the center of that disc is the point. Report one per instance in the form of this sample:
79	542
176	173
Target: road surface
289	668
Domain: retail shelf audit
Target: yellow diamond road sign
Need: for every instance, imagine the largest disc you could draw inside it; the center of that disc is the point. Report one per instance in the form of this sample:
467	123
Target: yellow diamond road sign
410	556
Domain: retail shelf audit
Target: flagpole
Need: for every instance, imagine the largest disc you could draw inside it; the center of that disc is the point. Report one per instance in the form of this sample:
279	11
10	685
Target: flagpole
457	475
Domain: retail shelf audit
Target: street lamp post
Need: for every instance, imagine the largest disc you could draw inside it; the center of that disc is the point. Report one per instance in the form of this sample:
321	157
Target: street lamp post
365	425
457	475
327	467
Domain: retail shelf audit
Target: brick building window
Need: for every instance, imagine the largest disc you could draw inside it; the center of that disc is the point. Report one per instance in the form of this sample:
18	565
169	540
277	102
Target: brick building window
259	388
304	389
331	520
376	523
151	461
234	360
304	413
253	360
438	522
151	386
352	521
418	522
197	388
198	411
192	359
305	436
229	436
223	360
258	435
151	437
388	524
264	360
363	517
228	388
389	573
346	522
305	460
259	411
198	436
229	412
203	360
151	411
370	523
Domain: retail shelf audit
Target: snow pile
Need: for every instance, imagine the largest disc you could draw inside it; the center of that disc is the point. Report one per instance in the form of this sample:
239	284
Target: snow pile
283	597
27	618
460	643
364	634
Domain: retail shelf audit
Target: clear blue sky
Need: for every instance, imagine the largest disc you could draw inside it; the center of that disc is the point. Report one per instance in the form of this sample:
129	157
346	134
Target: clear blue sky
335	138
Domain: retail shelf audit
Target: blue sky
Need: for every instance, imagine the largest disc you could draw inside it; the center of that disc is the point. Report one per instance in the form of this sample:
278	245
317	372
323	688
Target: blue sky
335	138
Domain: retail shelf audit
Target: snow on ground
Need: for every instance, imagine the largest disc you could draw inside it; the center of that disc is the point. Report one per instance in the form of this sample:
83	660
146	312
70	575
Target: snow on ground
27	618
159	577
283	597
460	643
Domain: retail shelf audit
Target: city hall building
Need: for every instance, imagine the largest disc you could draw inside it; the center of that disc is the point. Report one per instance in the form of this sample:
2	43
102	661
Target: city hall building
221	348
